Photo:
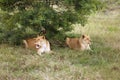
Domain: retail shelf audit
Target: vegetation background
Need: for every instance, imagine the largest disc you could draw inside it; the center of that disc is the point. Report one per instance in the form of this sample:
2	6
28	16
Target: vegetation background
103	63
22	19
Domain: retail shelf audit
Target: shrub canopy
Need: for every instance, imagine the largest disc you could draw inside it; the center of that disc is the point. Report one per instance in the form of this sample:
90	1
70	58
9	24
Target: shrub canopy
20	19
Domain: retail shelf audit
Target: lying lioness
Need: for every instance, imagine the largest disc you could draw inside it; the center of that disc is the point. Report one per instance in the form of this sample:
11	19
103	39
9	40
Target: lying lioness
82	43
39	43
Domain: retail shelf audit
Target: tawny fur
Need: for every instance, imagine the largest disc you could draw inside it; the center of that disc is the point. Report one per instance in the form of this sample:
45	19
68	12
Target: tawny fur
82	43
30	43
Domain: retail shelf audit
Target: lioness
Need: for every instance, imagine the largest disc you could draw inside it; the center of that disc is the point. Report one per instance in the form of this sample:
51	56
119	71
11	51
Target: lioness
82	43
40	44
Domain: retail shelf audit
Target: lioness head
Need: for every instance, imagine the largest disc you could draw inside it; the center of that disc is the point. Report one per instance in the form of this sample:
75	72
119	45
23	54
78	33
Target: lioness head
86	39
39	41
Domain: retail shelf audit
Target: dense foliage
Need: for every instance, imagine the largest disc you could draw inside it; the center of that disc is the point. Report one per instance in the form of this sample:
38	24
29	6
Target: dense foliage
20	19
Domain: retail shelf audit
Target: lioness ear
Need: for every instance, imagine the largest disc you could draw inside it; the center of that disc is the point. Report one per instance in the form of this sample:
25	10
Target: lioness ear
83	36
43	37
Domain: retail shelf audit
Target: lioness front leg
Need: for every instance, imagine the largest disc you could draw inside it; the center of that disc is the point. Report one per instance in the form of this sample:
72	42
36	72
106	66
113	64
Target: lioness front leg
40	51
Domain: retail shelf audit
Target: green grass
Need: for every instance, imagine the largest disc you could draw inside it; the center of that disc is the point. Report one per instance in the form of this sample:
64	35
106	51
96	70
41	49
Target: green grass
102	63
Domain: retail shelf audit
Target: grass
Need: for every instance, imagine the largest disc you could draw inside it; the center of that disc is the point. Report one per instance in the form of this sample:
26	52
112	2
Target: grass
103	63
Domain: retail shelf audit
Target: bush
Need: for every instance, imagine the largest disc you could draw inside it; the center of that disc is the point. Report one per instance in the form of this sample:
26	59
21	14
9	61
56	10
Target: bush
26	18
